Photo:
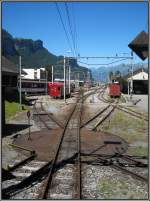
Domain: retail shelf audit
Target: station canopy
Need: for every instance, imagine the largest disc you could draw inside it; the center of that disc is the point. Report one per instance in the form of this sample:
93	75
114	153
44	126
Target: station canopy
140	45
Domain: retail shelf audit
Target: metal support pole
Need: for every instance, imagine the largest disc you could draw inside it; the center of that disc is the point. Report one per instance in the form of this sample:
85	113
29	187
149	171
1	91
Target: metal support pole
131	75
52	74
64	79
20	83
29	137
128	87
69	80
78	80
46	81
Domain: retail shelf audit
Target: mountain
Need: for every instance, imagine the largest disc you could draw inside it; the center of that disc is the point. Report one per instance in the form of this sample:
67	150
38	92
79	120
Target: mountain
102	73
34	55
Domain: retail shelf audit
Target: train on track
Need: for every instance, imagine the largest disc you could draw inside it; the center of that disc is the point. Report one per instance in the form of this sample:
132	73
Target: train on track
56	89
114	89
34	87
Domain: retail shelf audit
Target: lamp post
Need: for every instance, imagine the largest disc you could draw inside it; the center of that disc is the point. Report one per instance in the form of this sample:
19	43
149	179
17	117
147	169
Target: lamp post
69	73
46	80
20	95
131	75
52	74
64	79
69	80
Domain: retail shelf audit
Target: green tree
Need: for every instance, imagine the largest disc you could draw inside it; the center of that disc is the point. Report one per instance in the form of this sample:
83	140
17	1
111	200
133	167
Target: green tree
48	68
118	73
110	75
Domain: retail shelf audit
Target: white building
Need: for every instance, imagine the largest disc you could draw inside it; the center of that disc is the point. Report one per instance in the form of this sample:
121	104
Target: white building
139	80
34	73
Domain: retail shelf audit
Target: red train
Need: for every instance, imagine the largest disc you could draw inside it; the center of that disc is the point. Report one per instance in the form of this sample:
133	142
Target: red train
114	89
56	89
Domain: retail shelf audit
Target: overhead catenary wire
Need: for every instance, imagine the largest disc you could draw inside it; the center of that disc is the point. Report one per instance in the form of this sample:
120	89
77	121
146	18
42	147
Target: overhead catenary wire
67	37
70	27
102	64
75	28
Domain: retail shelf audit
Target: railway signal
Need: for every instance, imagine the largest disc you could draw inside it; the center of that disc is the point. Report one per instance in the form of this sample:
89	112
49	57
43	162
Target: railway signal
29	115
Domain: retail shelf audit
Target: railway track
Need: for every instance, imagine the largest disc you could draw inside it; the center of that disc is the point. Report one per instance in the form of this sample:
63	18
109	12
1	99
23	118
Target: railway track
22	175
35	173
100	117
47	119
120	107
123	163
56	186
61	177
132	113
101	96
54	119
41	117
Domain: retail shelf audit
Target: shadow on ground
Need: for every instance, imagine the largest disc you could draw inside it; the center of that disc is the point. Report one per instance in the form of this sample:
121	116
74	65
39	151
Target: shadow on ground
13	128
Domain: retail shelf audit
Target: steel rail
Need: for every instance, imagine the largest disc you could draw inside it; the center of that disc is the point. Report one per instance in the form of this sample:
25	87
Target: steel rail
104	118
48	181
77	193
44	193
138	113
131	113
52	117
124	109
95	116
40	117
34	177
133	174
31	157
128	159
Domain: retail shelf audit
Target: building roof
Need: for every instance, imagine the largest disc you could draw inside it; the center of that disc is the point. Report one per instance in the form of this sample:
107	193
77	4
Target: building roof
9	67
140	45
128	76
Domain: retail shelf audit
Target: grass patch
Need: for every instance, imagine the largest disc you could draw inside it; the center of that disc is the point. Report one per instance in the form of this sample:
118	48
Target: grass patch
112	188
11	108
139	151
127	127
122	99
12	104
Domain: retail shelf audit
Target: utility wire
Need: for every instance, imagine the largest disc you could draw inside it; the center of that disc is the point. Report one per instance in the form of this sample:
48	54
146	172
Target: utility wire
75	28
70	26
102	64
60	16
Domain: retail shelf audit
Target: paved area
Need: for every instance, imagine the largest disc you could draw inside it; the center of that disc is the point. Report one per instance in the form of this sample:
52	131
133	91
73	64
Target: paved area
141	105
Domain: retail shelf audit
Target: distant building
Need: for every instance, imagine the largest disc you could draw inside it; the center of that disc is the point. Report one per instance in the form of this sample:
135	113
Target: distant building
140	81
34	74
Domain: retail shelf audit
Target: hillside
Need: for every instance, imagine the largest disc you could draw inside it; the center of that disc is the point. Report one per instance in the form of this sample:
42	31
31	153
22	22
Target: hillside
34	55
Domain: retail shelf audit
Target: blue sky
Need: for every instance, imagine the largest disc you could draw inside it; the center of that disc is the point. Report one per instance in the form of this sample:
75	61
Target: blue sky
103	28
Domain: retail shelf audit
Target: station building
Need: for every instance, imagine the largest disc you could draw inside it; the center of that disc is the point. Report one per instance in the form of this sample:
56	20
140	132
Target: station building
140	81
10	74
139	45
34	74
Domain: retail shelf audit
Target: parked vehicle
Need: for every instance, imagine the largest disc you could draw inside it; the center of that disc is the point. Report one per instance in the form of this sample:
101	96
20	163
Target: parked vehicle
56	89
114	89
